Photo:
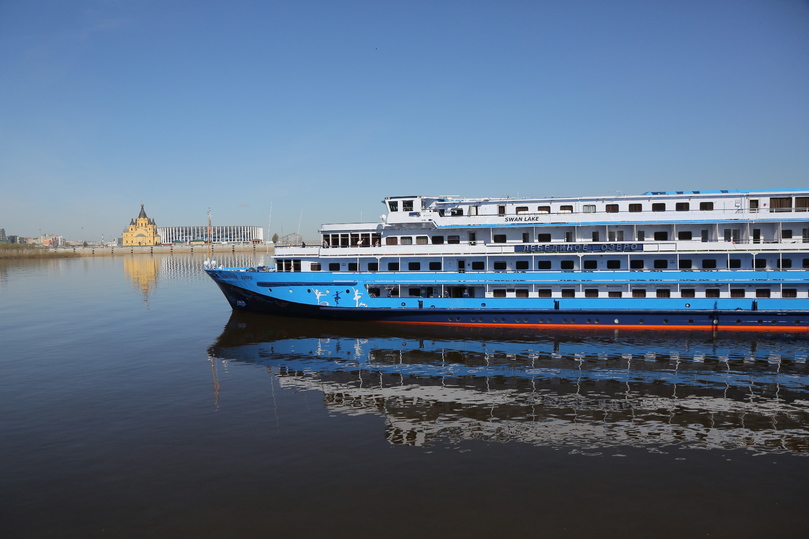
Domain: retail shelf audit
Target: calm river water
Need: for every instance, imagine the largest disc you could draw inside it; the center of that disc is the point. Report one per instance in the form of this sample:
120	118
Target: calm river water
133	403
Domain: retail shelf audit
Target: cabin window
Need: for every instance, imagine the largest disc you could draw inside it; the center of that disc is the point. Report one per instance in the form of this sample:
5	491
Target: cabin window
521	293
735	263
478	266
761	263
456	212
499	238
682	206
641	235
501	210
568	237
565	209
438	240
684	235
709	263
591	292
566	264
334	266
639	293
393	266
422	240
661	235
500	266
589	208
806	262
499	292
780	204
611	208
453	240
590	264
636	264
522	209
315	266
785	263
521	265
661	264
546	264
407	240
373	266
786	234
391	241
613	264
684	263
414	266
789	293
526	237
711	292
731	234
414	292
544	293
762	292
663	292
688	293
659	206
407	205
352	266
737	292
435	266
596	236
568	292
393	205
801	203
544	238
543	209
706	206
615	294
636	208
703	236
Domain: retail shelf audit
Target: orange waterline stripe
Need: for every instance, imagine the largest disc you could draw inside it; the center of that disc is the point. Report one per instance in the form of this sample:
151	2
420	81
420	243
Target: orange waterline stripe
762	328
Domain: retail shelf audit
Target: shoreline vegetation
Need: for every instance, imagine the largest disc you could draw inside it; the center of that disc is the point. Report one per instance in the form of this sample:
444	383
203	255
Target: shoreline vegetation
17	251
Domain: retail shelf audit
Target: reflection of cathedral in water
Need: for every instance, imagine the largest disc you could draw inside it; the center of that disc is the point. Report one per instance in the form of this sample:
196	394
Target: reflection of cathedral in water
578	391
144	270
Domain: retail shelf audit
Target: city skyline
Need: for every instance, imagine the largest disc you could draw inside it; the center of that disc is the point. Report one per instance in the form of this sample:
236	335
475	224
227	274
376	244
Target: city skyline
287	116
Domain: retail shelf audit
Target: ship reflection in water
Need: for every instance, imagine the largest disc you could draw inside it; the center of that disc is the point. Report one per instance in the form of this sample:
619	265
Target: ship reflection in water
581	391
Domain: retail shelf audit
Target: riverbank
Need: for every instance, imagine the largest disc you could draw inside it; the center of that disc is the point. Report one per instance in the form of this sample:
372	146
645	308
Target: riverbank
31	251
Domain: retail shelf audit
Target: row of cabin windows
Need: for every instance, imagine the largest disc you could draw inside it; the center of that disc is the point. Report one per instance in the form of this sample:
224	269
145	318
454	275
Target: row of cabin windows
729	234
642	293
565	265
608	208
777	204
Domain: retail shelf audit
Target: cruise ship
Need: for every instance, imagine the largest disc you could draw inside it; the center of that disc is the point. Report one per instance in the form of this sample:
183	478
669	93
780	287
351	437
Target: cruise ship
709	260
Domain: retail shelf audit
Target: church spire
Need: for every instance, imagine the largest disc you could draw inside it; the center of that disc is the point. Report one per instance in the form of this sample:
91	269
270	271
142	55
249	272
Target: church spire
142	214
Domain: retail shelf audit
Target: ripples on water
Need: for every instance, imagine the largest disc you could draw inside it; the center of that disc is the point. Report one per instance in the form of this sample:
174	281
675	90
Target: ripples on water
134	404
582	390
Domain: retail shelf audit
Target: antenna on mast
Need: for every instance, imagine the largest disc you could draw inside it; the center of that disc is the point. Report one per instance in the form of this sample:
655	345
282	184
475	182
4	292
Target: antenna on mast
210	234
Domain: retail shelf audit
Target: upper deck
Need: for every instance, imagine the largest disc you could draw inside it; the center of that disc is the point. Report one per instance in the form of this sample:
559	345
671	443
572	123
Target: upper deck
648	208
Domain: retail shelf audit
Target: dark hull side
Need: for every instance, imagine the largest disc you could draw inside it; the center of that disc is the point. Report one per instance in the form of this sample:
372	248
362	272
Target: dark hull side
711	320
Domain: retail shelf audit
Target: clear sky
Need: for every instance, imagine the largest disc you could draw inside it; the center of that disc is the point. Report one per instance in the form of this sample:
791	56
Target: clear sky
303	112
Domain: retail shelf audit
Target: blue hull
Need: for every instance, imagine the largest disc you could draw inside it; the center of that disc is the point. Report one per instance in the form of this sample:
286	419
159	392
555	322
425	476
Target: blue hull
245	300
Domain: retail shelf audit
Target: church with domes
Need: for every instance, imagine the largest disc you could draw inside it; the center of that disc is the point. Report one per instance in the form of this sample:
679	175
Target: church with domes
141	231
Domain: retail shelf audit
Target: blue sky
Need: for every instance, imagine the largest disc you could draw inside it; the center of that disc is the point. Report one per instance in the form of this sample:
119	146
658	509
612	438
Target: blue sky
309	112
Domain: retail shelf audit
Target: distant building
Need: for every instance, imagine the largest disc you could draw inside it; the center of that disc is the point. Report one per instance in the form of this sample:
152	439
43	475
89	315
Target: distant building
216	234
2	234
51	240
141	231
